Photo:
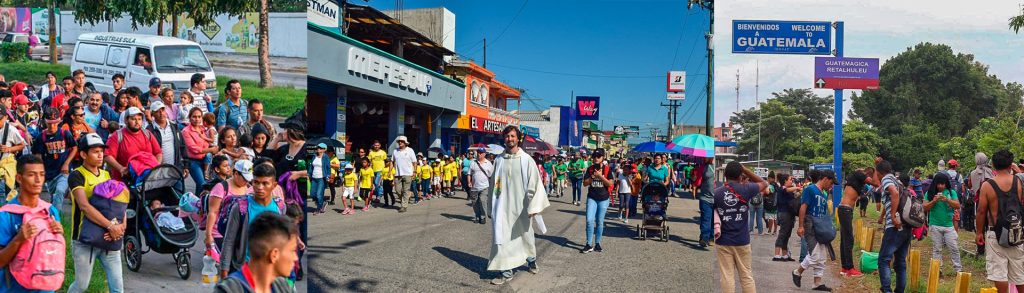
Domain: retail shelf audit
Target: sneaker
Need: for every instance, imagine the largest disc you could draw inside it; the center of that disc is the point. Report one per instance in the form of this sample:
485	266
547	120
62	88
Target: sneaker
577	203
586	249
703	243
500	280
822	287
776	258
401	210
597	247
366	208
796	279
625	221
483	221
854	273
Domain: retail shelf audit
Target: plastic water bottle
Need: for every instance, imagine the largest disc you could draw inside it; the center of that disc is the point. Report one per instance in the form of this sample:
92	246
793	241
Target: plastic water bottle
210	272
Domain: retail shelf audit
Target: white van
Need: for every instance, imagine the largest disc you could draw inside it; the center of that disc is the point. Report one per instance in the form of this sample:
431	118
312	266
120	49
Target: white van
140	58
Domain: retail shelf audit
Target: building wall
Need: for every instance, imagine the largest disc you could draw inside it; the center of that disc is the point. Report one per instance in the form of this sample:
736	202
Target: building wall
437	24
284	41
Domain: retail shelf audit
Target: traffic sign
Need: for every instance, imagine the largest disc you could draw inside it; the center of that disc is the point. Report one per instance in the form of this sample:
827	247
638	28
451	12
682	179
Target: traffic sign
798	174
781	37
846	73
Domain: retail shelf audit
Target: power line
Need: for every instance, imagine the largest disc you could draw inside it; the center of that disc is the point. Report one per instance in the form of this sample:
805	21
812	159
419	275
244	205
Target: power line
662	76
686	18
514	17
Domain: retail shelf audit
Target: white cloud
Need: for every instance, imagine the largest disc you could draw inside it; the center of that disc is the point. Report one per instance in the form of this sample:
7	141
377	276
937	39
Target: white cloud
878	29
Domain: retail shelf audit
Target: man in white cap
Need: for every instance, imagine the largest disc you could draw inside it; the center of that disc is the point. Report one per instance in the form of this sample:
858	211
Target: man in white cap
128	141
167	134
404	157
517	198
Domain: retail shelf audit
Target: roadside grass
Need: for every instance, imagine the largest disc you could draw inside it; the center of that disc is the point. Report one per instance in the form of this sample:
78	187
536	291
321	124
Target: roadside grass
947	280
278	101
32	72
98	283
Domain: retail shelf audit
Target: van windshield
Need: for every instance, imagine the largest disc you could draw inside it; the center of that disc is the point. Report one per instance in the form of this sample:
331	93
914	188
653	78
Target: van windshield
180	59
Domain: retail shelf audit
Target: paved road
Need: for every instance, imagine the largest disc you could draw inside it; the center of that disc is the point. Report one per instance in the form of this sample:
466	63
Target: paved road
771	276
158	274
294	76
435	248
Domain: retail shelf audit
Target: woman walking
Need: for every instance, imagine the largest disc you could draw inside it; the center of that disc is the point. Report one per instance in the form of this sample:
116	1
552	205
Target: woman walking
388	177
598	197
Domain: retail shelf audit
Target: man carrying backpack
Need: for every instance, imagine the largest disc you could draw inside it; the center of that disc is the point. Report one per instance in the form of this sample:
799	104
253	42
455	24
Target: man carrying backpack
999	210
57	148
956	183
896	236
82	181
128	141
241	214
814	206
14	235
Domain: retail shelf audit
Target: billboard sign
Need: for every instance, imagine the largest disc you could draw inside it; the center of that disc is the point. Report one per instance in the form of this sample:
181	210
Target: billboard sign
322	12
676	81
781	37
846	73
530	131
587	107
676	96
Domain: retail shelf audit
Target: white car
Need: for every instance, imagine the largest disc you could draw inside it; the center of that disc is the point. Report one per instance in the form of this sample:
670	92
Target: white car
40	52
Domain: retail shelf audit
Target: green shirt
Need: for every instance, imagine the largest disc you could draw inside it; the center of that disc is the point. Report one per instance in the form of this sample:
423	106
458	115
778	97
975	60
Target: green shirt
560	170
547	167
578	167
941	214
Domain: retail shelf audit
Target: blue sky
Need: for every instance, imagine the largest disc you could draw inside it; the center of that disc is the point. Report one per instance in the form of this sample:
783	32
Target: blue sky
613	39
873	29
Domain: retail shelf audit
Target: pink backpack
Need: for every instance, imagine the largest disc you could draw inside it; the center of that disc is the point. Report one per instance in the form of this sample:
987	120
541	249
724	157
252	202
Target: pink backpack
39	264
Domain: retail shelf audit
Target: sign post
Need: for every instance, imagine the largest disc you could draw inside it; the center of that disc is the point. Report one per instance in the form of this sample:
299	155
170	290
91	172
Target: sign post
846	73
837	138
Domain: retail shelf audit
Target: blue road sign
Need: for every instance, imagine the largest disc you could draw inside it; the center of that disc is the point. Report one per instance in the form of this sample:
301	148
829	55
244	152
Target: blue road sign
781	37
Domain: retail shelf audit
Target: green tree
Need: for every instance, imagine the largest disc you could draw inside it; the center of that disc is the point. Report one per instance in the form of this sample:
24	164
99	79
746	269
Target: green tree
778	125
818	110
929	85
1017	22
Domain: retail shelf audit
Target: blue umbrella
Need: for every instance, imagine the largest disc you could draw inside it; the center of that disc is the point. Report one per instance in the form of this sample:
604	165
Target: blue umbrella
652	147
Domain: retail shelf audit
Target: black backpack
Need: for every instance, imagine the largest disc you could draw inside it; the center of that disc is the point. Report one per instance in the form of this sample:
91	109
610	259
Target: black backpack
769	200
911	208
1008	227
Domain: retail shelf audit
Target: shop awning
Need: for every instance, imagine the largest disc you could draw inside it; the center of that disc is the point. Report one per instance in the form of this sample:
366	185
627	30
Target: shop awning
375	28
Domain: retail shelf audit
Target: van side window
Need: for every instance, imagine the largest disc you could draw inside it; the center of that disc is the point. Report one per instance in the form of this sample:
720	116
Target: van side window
117	56
143	58
91	53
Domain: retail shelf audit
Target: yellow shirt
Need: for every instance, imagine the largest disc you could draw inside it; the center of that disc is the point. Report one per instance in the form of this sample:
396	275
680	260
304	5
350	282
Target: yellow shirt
388	173
377	160
425	172
365	178
350	179
335	160
438	170
449	171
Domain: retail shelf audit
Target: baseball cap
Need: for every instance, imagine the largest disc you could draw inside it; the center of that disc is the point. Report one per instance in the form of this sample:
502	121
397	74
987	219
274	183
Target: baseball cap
598	153
156	106
21	100
952	162
154	82
482	150
349	167
322	145
244	167
132	111
91	140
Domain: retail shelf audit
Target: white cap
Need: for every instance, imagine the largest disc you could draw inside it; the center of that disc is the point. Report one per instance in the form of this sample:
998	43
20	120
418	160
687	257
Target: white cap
349	167
244	167
132	111
402	138
156	106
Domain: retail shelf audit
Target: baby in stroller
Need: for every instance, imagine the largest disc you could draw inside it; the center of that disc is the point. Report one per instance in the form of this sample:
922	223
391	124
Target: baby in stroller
166	218
655	202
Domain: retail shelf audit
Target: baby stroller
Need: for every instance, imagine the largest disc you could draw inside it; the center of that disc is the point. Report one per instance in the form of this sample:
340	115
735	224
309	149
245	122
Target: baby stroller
157	184
654	202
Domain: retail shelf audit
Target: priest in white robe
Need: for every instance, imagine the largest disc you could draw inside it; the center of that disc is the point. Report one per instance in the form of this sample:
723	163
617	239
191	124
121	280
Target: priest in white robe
517	199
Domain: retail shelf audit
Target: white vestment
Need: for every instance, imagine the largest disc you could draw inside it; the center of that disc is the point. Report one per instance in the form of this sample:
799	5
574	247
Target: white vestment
518	192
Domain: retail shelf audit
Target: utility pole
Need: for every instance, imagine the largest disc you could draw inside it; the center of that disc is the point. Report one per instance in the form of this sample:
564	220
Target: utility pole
737	91
708	5
485	52
672	110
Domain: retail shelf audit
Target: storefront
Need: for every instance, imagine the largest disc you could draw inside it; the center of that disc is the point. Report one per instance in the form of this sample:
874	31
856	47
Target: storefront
486	114
359	93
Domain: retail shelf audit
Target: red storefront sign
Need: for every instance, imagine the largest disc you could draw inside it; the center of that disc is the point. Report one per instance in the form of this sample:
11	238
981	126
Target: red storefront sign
485	125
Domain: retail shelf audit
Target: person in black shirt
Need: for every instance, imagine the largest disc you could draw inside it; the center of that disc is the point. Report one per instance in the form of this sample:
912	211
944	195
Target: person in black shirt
786	202
596	179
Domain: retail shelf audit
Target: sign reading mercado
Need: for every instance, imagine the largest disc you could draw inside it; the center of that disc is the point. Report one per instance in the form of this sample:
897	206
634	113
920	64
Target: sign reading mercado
781	37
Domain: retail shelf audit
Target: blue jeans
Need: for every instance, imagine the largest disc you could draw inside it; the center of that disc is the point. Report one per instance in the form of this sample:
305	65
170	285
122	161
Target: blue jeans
378	184
195	170
577	189
424	187
756	216
57	187
595	215
706	219
85	256
895	245
316	191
